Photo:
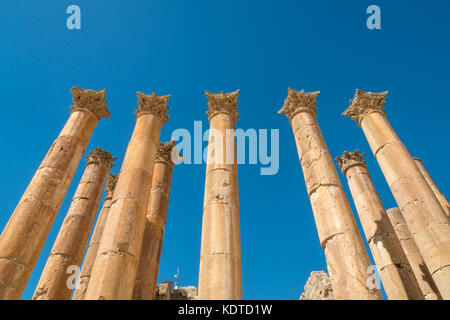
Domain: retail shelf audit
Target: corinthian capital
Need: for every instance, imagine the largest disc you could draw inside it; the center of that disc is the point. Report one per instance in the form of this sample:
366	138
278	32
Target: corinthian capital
111	184
351	159
100	156
92	100
153	104
168	153
222	103
364	103
298	101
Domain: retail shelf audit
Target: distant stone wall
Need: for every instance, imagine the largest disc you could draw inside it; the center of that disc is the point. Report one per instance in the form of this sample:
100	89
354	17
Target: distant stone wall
165	291
318	287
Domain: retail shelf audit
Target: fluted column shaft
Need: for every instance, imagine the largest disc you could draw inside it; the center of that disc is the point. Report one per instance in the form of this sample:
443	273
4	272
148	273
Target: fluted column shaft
424	215
148	267
91	253
73	236
115	267
26	232
423	276
396	274
442	199
347	259
220	275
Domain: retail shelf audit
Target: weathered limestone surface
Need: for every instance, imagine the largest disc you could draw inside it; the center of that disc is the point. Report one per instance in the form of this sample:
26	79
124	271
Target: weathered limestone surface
318	287
396	274
347	259
220	275
24	236
424	215
115	267
442	199
73	236
423	276
166	291
85	274
148	267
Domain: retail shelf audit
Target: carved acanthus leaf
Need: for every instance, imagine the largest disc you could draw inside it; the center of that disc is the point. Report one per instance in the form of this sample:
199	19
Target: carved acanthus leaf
351	159
92	100
153	104
168	153
111	184
298	101
100	156
364	103
222	103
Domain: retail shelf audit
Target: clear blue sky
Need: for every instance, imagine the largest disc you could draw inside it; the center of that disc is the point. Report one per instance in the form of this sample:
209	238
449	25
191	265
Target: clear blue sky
261	47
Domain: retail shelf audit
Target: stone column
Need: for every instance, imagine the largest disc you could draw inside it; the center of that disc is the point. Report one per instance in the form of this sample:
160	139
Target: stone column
347	259
442	199
396	274
115	267
423	276
220	275
424	215
91	253
24	236
70	244
148	266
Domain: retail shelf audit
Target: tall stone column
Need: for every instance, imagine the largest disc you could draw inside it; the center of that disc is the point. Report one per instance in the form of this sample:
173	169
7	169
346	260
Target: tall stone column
424	215
396	274
70	244
423	276
24	236
442	199
115	267
220	276
85	274
148	266
347	260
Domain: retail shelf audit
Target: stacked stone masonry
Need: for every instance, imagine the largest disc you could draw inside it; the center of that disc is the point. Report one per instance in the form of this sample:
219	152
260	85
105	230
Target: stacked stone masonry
318	287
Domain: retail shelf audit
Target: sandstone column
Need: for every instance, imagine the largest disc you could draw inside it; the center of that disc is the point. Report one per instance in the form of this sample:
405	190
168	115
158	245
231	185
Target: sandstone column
347	260
115	266
70	244
91	253
423	276
148	266
442	199
424	215
220	275
396	274
24	236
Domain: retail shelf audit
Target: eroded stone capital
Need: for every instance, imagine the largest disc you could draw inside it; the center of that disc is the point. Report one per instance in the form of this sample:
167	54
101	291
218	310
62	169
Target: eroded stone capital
100	156
111	184
153	104
364	103
92	100
298	101
222	103
351	159
168	153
